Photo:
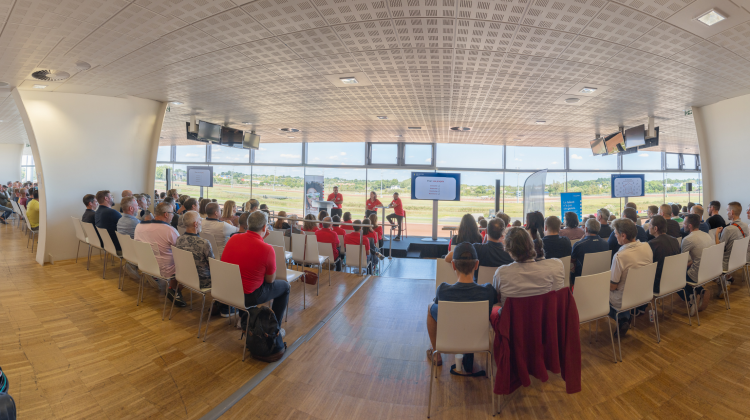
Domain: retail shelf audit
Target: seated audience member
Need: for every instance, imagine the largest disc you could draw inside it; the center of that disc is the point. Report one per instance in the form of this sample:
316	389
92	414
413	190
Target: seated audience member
181	203
535	227
89	215
32	210
175	197
695	209
482	227
517	223
147	218
281	223
662	246
229	213
162	196
106	217
492	253
526	276
264	207
200	247
125	193
309	224
632	254
369	233
322	215
353	238
676	213
555	246
572	230
161	235
268	215
175	216
242	221
465	262
336	226
468	231
602	216
628	213
652	211
220	230
347	221
591	243
673	228
377	229
23	197
735	229
5	205
371	203
191	204
257	261
326	235
127	223
715	220
694	244
252	205
504	217
202	207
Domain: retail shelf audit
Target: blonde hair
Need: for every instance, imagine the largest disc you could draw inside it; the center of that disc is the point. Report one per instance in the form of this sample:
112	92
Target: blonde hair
228	211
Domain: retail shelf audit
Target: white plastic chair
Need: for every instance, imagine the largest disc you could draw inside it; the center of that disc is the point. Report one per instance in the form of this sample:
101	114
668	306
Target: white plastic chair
80	235
276	238
109	248
444	273
592	299
673	280
186	273
93	239
19	214
596	262
30	232
639	290
463	327
148	265
485	275
355	257
679	240
737	261
326	250
210	238
566	264
712	234
312	257
226	288
573	242
288	275
128	254
712	259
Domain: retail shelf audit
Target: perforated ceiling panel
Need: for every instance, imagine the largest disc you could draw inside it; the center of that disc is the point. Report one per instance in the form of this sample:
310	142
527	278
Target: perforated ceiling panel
497	66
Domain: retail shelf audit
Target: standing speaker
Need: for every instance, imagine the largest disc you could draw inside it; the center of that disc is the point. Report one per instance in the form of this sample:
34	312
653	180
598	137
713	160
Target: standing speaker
690	186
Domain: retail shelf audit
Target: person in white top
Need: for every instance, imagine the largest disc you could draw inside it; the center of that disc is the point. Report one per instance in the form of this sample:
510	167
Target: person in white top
213	225
735	229
525	276
694	244
632	254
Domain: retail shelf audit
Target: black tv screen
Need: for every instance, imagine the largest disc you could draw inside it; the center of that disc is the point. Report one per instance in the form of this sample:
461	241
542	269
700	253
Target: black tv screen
231	137
251	141
209	132
190	136
635	136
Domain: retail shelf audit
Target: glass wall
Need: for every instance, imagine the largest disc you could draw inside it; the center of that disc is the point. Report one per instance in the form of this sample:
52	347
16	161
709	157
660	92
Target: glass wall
28	169
196	153
351	183
469	156
281	187
284	153
332	154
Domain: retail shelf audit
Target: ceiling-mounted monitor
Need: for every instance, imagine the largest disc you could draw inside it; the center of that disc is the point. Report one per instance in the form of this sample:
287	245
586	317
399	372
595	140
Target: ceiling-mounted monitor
209	132
190	136
251	141
231	137
635	136
615	143
598	147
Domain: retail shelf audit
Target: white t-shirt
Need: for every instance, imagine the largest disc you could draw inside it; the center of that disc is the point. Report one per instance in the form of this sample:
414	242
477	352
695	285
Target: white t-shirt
694	244
220	230
633	255
530	278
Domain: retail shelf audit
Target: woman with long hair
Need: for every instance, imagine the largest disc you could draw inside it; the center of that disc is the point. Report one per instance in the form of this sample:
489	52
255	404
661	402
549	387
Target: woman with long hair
571	230
228	214
202	207
369	234
468	231
322	215
309	224
535	227
280	222
377	229
371	203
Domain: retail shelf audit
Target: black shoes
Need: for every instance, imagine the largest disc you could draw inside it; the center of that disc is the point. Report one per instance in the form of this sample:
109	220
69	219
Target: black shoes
622	328
178	302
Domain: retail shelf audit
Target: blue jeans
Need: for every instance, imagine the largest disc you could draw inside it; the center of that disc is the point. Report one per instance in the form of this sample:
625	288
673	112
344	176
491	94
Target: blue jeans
623	317
6	211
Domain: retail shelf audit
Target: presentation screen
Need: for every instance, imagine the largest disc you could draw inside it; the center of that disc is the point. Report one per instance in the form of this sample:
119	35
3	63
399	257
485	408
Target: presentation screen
435	186
200	176
628	185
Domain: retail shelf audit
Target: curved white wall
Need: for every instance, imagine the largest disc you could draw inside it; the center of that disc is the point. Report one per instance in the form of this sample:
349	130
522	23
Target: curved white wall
82	144
10	162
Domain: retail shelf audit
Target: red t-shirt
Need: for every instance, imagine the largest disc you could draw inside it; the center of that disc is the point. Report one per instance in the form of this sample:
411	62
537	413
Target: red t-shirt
379	231
338	230
398	209
374	236
345	227
353	239
256	259
369	205
327	236
336	197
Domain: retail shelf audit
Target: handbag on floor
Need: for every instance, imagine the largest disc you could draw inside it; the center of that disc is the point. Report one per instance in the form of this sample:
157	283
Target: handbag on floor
311	277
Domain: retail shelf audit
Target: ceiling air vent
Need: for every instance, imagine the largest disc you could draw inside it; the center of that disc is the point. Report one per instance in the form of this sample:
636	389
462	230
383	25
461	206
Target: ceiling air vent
414	128
290	130
50	75
460	128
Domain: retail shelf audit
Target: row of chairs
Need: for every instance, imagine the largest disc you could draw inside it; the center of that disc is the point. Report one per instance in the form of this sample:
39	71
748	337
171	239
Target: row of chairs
22	221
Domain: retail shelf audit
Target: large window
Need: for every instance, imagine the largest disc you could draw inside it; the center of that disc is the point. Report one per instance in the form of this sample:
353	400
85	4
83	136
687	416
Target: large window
351	183
469	156
333	154
584	159
28	169
673	161
642	160
285	153
223	154
384	154
164	154
280	187
190	153
418	154
519	157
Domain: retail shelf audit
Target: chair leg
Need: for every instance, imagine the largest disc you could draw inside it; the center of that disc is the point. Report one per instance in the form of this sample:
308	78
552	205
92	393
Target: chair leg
617	325
104	270
140	287
170	309
247	328
88	263
166	299
304	291
210	309
119	278
318	284
612	338
656	321
724	285
697	315
200	320
687	307
432	370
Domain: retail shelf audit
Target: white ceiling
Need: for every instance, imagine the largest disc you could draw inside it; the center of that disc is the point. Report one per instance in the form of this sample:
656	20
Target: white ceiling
494	65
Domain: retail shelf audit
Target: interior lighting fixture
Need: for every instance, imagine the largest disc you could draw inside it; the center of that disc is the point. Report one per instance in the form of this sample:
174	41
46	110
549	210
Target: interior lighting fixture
348	80
588	90
540	122
711	17
382	117
40	86
290	137
176	103
572	100
247	123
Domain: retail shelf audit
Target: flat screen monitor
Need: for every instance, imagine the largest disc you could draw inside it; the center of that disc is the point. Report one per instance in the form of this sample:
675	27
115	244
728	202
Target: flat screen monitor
231	137
209	132
200	176
435	186
628	185
635	136
190	136
615	144
598	147
251	141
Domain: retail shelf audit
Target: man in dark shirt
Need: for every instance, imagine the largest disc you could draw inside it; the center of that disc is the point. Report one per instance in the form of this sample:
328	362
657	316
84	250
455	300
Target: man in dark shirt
715	220
627	213
106	217
89	215
696	209
555	246
492	253
662	245
589	244
602	216
673	227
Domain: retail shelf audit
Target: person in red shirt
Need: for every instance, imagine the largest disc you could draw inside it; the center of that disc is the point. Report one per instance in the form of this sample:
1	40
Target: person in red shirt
257	261
347	221
352	238
398	214
338	199
371	203
377	229
325	235
310	226
337	226
369	233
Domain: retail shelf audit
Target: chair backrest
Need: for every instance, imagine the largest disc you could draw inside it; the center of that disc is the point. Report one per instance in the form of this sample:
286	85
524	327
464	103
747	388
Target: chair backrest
673	273
298	247
288	243
592	295
214	246
712	259
308	232
280	262
312	254
639	285
90	231
226	283
276	238
566	264
354	255
679	241
596	262
109	246
573	241
326	250
738	255
80	234
485	275
146	258
712	234
464	327
128	249
341	239
185	270
444	273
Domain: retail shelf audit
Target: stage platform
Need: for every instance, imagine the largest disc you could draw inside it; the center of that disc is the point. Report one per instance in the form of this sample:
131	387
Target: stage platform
415	247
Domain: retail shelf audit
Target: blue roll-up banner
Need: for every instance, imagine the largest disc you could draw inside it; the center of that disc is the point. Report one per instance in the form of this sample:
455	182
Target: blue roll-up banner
571	202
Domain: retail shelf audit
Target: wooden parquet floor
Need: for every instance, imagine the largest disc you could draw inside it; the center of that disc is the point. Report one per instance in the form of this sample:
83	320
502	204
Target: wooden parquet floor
75	347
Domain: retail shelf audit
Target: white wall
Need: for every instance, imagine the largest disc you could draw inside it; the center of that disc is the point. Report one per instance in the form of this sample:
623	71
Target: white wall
10	162
723	132
82	144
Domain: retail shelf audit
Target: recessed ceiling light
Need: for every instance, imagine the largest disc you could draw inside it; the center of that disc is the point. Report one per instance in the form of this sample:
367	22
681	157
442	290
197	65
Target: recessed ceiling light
290	137
348	80
540	122
414	128
711	17
247	123
40	86
82	65
588	90
176	103
572	100
382	117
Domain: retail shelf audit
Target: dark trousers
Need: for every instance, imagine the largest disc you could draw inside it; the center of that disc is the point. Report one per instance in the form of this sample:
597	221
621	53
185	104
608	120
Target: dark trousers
337	212
6	211
622	318
369	212
688	291
278	291
399	219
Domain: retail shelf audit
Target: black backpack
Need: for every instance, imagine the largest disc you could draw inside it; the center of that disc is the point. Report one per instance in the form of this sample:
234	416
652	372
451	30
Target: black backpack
263	339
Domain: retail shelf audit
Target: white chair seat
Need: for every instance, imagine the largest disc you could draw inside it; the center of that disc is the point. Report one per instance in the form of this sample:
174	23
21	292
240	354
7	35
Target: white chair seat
288	255
293	276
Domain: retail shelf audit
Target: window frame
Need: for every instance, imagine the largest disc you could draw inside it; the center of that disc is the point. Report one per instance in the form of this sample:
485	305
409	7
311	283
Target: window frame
400	156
